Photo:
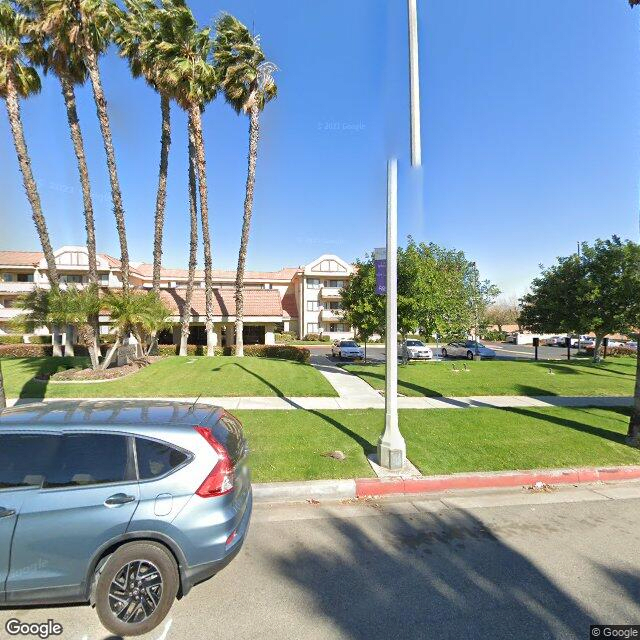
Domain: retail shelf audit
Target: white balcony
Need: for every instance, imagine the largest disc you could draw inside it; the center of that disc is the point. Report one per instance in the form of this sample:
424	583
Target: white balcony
19	287
330	293
8	313
328	315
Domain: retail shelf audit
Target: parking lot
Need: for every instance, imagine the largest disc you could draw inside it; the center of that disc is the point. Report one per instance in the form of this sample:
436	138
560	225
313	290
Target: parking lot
504	351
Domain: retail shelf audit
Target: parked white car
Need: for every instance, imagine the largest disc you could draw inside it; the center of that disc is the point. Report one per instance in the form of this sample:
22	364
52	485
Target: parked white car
416	350
347	349
467	349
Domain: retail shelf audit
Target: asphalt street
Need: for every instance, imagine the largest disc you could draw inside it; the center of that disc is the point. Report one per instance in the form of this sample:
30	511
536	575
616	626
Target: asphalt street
481	565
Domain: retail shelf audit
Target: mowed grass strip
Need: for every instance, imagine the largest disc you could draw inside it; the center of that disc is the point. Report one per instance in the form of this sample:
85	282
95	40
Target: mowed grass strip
614	377
292	445
173	377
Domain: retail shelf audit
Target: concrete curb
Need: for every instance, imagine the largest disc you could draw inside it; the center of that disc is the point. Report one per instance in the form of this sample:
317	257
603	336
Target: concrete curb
364	487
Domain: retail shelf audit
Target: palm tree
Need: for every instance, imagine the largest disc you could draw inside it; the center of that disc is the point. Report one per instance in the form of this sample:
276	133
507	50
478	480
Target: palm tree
192	78
245	78
93	24
138	36
53	49
19	79
141	313
193	245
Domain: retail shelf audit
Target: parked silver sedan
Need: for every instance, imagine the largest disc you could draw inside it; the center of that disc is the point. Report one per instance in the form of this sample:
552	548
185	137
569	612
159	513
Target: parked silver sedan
467	349
344	349
416	350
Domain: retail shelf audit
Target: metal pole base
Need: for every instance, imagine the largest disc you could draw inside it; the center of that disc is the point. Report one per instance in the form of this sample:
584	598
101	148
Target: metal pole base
390	455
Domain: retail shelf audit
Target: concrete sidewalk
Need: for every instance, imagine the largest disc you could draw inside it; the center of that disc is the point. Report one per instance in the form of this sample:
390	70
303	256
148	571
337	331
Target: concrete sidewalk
377	402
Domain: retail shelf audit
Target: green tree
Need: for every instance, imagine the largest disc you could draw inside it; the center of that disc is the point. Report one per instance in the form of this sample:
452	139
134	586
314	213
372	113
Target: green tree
140	313
247	83
19	80
364	309
598	291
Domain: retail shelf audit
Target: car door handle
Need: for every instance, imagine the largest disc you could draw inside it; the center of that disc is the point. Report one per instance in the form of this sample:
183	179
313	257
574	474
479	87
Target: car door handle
118	499
5	513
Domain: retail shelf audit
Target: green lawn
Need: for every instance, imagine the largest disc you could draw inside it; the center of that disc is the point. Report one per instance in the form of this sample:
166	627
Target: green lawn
615	377
289	445
173	376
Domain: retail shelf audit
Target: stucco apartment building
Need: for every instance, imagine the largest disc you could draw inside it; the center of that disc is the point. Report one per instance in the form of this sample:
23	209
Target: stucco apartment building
302	299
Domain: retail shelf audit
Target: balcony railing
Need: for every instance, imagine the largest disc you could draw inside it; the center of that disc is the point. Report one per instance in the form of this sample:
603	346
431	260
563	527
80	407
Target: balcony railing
8	313
330	293
332	314
19	287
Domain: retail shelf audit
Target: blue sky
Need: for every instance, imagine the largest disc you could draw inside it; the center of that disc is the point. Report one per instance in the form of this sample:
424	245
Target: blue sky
530	140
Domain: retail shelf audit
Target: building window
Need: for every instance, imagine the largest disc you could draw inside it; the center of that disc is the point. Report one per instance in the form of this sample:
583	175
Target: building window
104	279
313	305
334	284
335	305
312	327
25	277
313	283
7	277
339	327
72	278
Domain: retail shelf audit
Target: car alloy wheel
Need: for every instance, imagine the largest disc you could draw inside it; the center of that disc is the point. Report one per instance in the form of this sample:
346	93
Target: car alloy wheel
469	355
135	591
444	353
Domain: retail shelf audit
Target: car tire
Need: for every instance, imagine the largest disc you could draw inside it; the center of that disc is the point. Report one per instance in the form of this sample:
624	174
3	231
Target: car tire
444	353
148	613
469	355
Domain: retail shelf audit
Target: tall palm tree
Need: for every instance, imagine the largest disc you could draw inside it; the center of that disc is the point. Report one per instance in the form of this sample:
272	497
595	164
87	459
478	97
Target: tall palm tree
53	49
193	245
138	36
247	83
19	79
192	77
94	22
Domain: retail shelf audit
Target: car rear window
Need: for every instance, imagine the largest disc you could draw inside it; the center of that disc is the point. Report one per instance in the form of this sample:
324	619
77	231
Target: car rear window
156	458
26	459
91	459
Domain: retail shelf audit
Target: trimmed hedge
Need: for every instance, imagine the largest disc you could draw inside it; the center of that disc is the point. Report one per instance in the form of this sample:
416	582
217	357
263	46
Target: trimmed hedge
11	339
614	352
284	352
39	350
40	339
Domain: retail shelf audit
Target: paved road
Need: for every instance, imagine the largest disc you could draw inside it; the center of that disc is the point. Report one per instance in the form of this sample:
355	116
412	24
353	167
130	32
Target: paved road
503	350
492	565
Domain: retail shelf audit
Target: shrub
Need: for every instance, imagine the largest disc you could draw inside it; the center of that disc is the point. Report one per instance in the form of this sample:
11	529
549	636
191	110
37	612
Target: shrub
25	350
614	352
495	336
192	350
325	338
285	338
281	351
40	339
11	339
107	338
312	337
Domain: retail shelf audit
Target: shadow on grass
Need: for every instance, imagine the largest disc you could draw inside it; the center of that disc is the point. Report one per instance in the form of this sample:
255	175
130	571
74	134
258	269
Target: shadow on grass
367	447
34	389
402	384
605	434
445	575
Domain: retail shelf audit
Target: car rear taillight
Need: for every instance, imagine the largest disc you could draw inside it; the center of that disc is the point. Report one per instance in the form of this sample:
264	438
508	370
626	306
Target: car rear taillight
220	480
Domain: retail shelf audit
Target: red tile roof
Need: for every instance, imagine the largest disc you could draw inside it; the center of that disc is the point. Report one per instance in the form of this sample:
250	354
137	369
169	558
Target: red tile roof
285	274
21	258
257	302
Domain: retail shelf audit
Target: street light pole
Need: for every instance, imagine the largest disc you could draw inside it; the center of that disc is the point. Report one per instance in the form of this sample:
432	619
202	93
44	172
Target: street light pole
392	450
414	75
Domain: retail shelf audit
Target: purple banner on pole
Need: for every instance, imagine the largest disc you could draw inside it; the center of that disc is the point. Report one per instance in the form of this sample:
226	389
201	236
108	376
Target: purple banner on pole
381	277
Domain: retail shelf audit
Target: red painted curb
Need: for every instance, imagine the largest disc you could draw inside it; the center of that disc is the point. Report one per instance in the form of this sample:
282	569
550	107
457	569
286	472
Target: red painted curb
425	484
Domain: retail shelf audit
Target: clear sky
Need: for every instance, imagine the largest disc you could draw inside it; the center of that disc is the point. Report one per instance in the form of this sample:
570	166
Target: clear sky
530	121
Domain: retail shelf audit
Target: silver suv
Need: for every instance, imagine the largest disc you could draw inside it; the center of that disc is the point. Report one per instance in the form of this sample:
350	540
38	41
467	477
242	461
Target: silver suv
126	505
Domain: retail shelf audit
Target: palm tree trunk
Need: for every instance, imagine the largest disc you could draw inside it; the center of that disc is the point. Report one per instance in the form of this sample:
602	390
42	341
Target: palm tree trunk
161	198
201	165
3	397
30	187
68	93
193	243
69	349
105	127
633	434
112	352
254	134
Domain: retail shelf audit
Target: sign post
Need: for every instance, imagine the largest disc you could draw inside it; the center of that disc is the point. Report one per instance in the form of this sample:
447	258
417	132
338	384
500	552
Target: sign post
392	450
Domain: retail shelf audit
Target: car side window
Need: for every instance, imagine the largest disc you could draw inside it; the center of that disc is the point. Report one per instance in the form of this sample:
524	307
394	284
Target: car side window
26	459
86	459
156	458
